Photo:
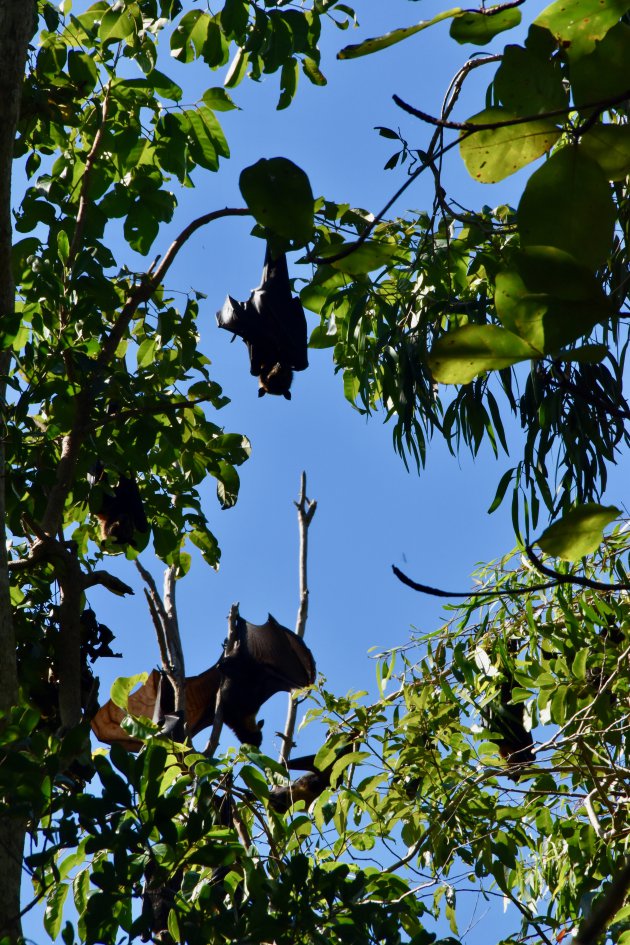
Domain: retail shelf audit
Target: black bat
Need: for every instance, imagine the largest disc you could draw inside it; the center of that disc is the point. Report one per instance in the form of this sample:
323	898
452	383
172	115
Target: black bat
121	512
266	659
505	719
273	326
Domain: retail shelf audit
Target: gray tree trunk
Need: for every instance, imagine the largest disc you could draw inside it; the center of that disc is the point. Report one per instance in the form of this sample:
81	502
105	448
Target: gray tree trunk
18	19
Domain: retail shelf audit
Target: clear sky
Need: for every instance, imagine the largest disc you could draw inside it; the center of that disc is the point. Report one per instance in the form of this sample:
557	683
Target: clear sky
371	513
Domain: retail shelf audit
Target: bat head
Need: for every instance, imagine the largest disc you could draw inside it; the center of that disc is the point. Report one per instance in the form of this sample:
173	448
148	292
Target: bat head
248	730
275	380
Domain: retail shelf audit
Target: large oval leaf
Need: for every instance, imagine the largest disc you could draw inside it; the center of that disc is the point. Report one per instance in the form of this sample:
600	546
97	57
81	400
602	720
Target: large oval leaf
480	28
528	83
549	299
579	24
579	532
494	153
461	355
279	195
609	145
567	203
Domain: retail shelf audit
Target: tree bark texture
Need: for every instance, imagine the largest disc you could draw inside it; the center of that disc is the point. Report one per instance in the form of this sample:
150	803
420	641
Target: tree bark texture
18	19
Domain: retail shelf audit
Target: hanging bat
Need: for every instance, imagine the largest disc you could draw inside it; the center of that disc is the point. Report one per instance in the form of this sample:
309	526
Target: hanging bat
121	512
506	719
308	786
265	659
273	326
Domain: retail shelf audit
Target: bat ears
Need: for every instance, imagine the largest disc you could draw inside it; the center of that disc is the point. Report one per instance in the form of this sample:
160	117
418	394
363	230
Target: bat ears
287	395
261	391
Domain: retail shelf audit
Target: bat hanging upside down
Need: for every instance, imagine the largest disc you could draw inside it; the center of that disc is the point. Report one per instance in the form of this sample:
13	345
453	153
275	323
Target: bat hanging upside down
273	326
266	659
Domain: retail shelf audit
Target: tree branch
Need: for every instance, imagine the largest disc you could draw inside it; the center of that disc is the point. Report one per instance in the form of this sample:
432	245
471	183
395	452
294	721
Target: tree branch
151	281
230	645
164	616
605	909
306	509
558	578
473	127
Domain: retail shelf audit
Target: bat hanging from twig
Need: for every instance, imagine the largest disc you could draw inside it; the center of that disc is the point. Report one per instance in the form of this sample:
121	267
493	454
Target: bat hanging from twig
266	659
273	326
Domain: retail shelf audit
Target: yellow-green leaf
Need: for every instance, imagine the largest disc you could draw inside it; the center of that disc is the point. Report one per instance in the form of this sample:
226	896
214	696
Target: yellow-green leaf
461	355
579	532
492	154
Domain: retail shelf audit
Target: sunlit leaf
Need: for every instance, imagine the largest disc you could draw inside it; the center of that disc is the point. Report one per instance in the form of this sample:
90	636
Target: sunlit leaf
462	354
579	532
480	28
493	154
369	46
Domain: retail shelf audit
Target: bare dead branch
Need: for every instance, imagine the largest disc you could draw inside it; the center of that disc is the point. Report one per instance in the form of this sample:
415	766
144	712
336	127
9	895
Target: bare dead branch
164	617
557	579
306	509
143	292
230	646
606	907
474	127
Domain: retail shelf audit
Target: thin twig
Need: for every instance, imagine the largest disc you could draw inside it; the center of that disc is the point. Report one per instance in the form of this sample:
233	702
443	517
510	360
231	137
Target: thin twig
306	509
472	126
164	616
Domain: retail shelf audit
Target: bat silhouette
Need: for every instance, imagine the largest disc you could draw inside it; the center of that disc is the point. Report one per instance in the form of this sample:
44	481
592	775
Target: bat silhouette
265	659
273	326
506	720
121	512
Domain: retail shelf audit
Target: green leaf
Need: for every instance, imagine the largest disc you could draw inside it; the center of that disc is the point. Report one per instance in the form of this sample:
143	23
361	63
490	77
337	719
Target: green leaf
526	83
123	686
218	100
237	69
462	354
255	781
369	46
189	37
609	145
279	195
54	909
549	299
567	203
120	24
63	246
288	83
164	86
312	72
145	355
367	256
579	532
603	74
491	155
578	667
578	24
480	28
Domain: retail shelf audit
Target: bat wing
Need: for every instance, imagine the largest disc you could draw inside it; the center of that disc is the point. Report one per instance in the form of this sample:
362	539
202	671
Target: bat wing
154	700
245	320
106	723
201	698
285	661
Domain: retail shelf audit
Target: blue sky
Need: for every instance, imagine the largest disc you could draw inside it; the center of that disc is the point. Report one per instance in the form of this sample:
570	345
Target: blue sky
371	513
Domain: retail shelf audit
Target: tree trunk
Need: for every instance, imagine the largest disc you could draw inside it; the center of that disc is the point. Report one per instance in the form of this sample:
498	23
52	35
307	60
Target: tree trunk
17	24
